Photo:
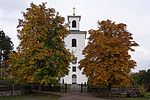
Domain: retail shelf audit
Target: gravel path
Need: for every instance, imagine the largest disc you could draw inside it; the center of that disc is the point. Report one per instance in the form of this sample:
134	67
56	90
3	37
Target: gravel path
79	96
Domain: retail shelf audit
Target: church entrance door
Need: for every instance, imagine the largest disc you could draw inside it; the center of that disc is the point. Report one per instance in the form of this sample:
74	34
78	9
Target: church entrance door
74	79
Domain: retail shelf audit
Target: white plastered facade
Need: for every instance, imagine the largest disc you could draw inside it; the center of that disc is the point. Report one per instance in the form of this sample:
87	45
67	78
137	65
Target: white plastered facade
75	77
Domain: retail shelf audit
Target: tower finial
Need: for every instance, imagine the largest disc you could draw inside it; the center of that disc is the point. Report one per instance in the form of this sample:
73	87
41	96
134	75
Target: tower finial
74	11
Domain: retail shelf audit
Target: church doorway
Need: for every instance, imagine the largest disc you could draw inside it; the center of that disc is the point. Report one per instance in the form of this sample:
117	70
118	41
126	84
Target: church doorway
74	79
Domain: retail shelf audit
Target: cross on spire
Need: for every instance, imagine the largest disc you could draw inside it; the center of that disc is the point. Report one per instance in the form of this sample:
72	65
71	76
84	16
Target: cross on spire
74	11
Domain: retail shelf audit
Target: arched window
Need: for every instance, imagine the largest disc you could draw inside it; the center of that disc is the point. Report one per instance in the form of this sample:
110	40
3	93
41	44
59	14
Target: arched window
74	24
74	79
74	43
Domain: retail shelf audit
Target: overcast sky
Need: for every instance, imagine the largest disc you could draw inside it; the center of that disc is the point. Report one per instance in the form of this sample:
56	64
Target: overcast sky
134	13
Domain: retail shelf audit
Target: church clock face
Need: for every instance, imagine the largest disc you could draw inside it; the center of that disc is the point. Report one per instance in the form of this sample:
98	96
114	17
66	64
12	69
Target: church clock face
74	61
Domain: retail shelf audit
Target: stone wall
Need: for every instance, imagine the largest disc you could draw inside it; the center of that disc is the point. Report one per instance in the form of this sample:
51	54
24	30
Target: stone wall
127	92
11	93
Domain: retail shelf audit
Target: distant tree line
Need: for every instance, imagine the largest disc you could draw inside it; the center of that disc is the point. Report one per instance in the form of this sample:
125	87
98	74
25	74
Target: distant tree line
142	78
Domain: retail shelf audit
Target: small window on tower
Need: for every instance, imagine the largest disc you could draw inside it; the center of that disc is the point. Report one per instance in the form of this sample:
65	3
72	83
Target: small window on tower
74	24
74	43
73	68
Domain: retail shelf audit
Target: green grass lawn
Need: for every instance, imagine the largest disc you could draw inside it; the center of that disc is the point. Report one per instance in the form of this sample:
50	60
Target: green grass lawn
147	95
31	97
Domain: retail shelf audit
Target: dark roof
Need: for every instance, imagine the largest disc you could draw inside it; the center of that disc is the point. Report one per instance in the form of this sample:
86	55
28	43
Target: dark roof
77	32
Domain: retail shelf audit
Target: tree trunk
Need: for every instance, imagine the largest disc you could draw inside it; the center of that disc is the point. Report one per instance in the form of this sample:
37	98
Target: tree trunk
109	89
39	89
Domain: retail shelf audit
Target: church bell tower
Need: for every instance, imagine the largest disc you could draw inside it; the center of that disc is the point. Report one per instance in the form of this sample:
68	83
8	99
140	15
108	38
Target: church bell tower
75	42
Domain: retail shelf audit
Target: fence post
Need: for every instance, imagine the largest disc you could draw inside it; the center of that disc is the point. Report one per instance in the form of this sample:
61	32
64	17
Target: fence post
59	87
13	87
81	87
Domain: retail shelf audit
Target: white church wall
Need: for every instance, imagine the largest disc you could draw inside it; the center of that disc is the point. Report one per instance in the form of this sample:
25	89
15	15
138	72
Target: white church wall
77	51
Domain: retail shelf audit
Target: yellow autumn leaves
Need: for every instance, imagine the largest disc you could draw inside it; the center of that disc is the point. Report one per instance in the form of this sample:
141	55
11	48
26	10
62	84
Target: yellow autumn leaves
41	56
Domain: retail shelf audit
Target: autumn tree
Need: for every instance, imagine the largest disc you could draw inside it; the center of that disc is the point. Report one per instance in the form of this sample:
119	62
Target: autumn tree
107	61
6	46
41	56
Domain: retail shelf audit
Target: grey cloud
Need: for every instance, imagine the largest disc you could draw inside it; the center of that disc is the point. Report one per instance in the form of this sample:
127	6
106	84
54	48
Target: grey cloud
11	5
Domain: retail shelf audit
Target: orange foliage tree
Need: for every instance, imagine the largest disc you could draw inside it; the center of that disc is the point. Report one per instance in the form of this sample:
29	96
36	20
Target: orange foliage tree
107	61
41	56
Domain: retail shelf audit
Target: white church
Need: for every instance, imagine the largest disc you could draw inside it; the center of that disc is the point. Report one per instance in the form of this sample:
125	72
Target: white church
75	42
